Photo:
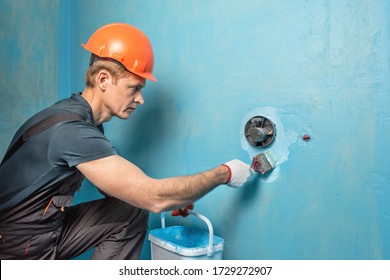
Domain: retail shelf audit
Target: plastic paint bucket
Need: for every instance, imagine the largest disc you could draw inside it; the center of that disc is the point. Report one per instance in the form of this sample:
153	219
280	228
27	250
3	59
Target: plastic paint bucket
185	243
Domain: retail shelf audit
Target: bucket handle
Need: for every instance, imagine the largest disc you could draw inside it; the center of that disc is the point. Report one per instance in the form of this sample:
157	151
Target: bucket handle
204	219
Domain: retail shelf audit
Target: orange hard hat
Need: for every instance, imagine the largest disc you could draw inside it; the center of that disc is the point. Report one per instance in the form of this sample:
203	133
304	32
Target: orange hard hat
125	44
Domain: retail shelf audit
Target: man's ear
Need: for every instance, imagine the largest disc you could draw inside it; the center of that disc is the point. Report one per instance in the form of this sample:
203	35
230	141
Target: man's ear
102	79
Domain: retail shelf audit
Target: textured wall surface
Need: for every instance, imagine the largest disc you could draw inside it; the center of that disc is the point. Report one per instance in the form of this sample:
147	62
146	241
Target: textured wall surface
314	67
29	55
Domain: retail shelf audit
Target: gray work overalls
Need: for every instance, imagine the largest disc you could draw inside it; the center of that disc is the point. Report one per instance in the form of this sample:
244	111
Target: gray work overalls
46	226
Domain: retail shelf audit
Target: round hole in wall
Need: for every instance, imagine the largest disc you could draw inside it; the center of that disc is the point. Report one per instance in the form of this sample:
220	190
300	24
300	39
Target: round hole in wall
260	131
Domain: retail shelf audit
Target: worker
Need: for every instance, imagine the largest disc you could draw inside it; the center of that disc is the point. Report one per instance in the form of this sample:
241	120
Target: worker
57	148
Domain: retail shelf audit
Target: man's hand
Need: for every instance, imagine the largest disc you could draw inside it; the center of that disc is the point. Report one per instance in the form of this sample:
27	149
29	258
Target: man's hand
240	173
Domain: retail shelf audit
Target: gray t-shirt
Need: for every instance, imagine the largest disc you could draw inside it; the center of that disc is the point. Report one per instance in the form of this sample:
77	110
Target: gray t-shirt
52	155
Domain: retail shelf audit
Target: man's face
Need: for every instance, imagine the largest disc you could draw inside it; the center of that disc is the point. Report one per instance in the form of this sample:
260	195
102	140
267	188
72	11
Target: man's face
122	98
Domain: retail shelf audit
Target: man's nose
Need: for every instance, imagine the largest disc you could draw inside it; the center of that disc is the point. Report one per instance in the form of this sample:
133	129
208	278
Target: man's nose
139	98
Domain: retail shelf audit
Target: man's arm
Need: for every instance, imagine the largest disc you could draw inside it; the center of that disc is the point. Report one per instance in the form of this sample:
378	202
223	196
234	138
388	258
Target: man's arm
120	178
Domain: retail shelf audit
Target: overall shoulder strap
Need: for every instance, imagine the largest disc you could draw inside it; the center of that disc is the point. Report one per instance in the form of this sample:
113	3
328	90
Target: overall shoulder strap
38	128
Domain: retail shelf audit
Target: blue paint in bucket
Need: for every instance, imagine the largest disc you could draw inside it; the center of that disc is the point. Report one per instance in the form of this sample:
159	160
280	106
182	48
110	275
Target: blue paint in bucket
180	242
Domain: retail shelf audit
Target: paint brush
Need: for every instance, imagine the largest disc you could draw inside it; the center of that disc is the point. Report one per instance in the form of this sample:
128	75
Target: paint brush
264	162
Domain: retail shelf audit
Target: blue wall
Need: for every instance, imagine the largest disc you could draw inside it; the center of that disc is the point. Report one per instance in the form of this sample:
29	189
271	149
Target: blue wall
31	37
314	67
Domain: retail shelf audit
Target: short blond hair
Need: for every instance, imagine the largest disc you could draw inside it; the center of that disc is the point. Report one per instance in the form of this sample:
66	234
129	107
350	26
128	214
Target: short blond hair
116	69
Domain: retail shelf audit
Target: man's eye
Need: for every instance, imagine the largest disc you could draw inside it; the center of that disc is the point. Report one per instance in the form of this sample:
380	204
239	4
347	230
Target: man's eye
135	88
